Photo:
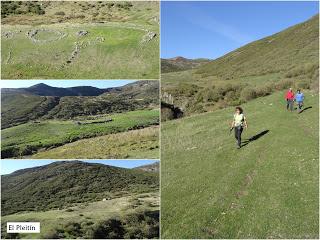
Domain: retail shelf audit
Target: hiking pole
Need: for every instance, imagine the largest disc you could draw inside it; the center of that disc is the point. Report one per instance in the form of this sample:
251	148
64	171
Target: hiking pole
231	129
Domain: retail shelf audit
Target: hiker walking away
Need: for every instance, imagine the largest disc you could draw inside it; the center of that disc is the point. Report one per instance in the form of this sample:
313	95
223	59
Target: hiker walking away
290	99
239	121
299	99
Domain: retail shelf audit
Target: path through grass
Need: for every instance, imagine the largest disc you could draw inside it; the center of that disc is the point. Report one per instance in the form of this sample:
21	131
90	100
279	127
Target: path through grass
267	189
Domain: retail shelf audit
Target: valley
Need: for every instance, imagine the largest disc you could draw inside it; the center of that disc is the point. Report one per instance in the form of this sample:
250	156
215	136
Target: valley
286	59
42	120
269	188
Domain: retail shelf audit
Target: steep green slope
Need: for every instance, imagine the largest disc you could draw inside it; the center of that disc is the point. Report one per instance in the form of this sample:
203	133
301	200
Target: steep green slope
267	189
60	184
19	108
286	59
294	49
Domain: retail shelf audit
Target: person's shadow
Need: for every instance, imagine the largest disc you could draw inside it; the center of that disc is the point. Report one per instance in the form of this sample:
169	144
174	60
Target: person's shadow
304	109
255	137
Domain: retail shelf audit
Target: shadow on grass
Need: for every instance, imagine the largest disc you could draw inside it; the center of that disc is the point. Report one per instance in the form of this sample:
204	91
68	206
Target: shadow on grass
305	109
255	137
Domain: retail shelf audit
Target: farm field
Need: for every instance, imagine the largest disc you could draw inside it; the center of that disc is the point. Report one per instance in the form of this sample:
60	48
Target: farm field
29	138
267	189
105	42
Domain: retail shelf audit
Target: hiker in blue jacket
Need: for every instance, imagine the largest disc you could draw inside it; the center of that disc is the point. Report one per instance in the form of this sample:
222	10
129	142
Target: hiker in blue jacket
299	100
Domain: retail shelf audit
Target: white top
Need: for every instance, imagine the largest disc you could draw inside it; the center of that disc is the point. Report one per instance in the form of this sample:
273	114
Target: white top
238	119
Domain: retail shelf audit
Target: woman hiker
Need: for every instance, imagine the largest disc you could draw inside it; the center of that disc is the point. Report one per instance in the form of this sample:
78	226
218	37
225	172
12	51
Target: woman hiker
239	121
290	99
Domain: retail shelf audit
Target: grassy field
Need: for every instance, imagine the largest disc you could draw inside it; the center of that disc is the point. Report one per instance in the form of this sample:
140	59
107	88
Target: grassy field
87	215
27	139
142	144
109	50
267	189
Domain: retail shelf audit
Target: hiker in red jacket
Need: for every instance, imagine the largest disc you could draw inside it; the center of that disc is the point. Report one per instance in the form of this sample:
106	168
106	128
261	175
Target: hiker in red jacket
290	99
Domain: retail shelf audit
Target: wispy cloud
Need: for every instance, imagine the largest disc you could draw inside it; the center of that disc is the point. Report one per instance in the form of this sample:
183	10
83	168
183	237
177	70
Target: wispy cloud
204	21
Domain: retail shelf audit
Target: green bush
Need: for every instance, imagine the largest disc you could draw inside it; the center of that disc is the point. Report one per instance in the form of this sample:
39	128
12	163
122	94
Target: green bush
284	84
109	229
248	94
303	85
61	13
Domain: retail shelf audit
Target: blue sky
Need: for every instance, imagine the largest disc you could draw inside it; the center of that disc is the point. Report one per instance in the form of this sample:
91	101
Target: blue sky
9	166
64	83
212	29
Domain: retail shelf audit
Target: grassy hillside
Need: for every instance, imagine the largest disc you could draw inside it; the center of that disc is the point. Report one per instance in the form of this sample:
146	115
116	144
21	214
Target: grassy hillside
258	58
136	216
140	144
267	189
50	12
286	59
62	183
180	64
20	105
154	167
91	201
80	40
17	108
27	139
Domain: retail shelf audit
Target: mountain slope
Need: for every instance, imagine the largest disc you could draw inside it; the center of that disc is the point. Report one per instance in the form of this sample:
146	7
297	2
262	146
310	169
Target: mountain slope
154	167
61	183
19	105
295	48
267	189
286	59
181	64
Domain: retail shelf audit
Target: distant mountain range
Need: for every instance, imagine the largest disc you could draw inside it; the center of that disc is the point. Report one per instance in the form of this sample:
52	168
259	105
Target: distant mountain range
42	89
180	64
19	105
62	183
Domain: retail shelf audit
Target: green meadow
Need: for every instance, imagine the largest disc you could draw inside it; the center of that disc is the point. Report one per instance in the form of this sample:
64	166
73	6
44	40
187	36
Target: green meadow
29	138
267	189
107	51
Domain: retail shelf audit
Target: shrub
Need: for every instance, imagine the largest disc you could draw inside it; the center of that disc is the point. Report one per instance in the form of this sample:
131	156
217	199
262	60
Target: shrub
303	85
264	90
61	13
248	94
283	84
110	229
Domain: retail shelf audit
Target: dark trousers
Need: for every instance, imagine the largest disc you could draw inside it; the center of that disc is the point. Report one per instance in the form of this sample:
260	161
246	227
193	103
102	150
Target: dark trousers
300	104
290	104
237	134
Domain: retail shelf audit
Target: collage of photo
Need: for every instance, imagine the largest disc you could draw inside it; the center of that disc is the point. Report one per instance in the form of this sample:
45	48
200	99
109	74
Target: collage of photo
159	119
